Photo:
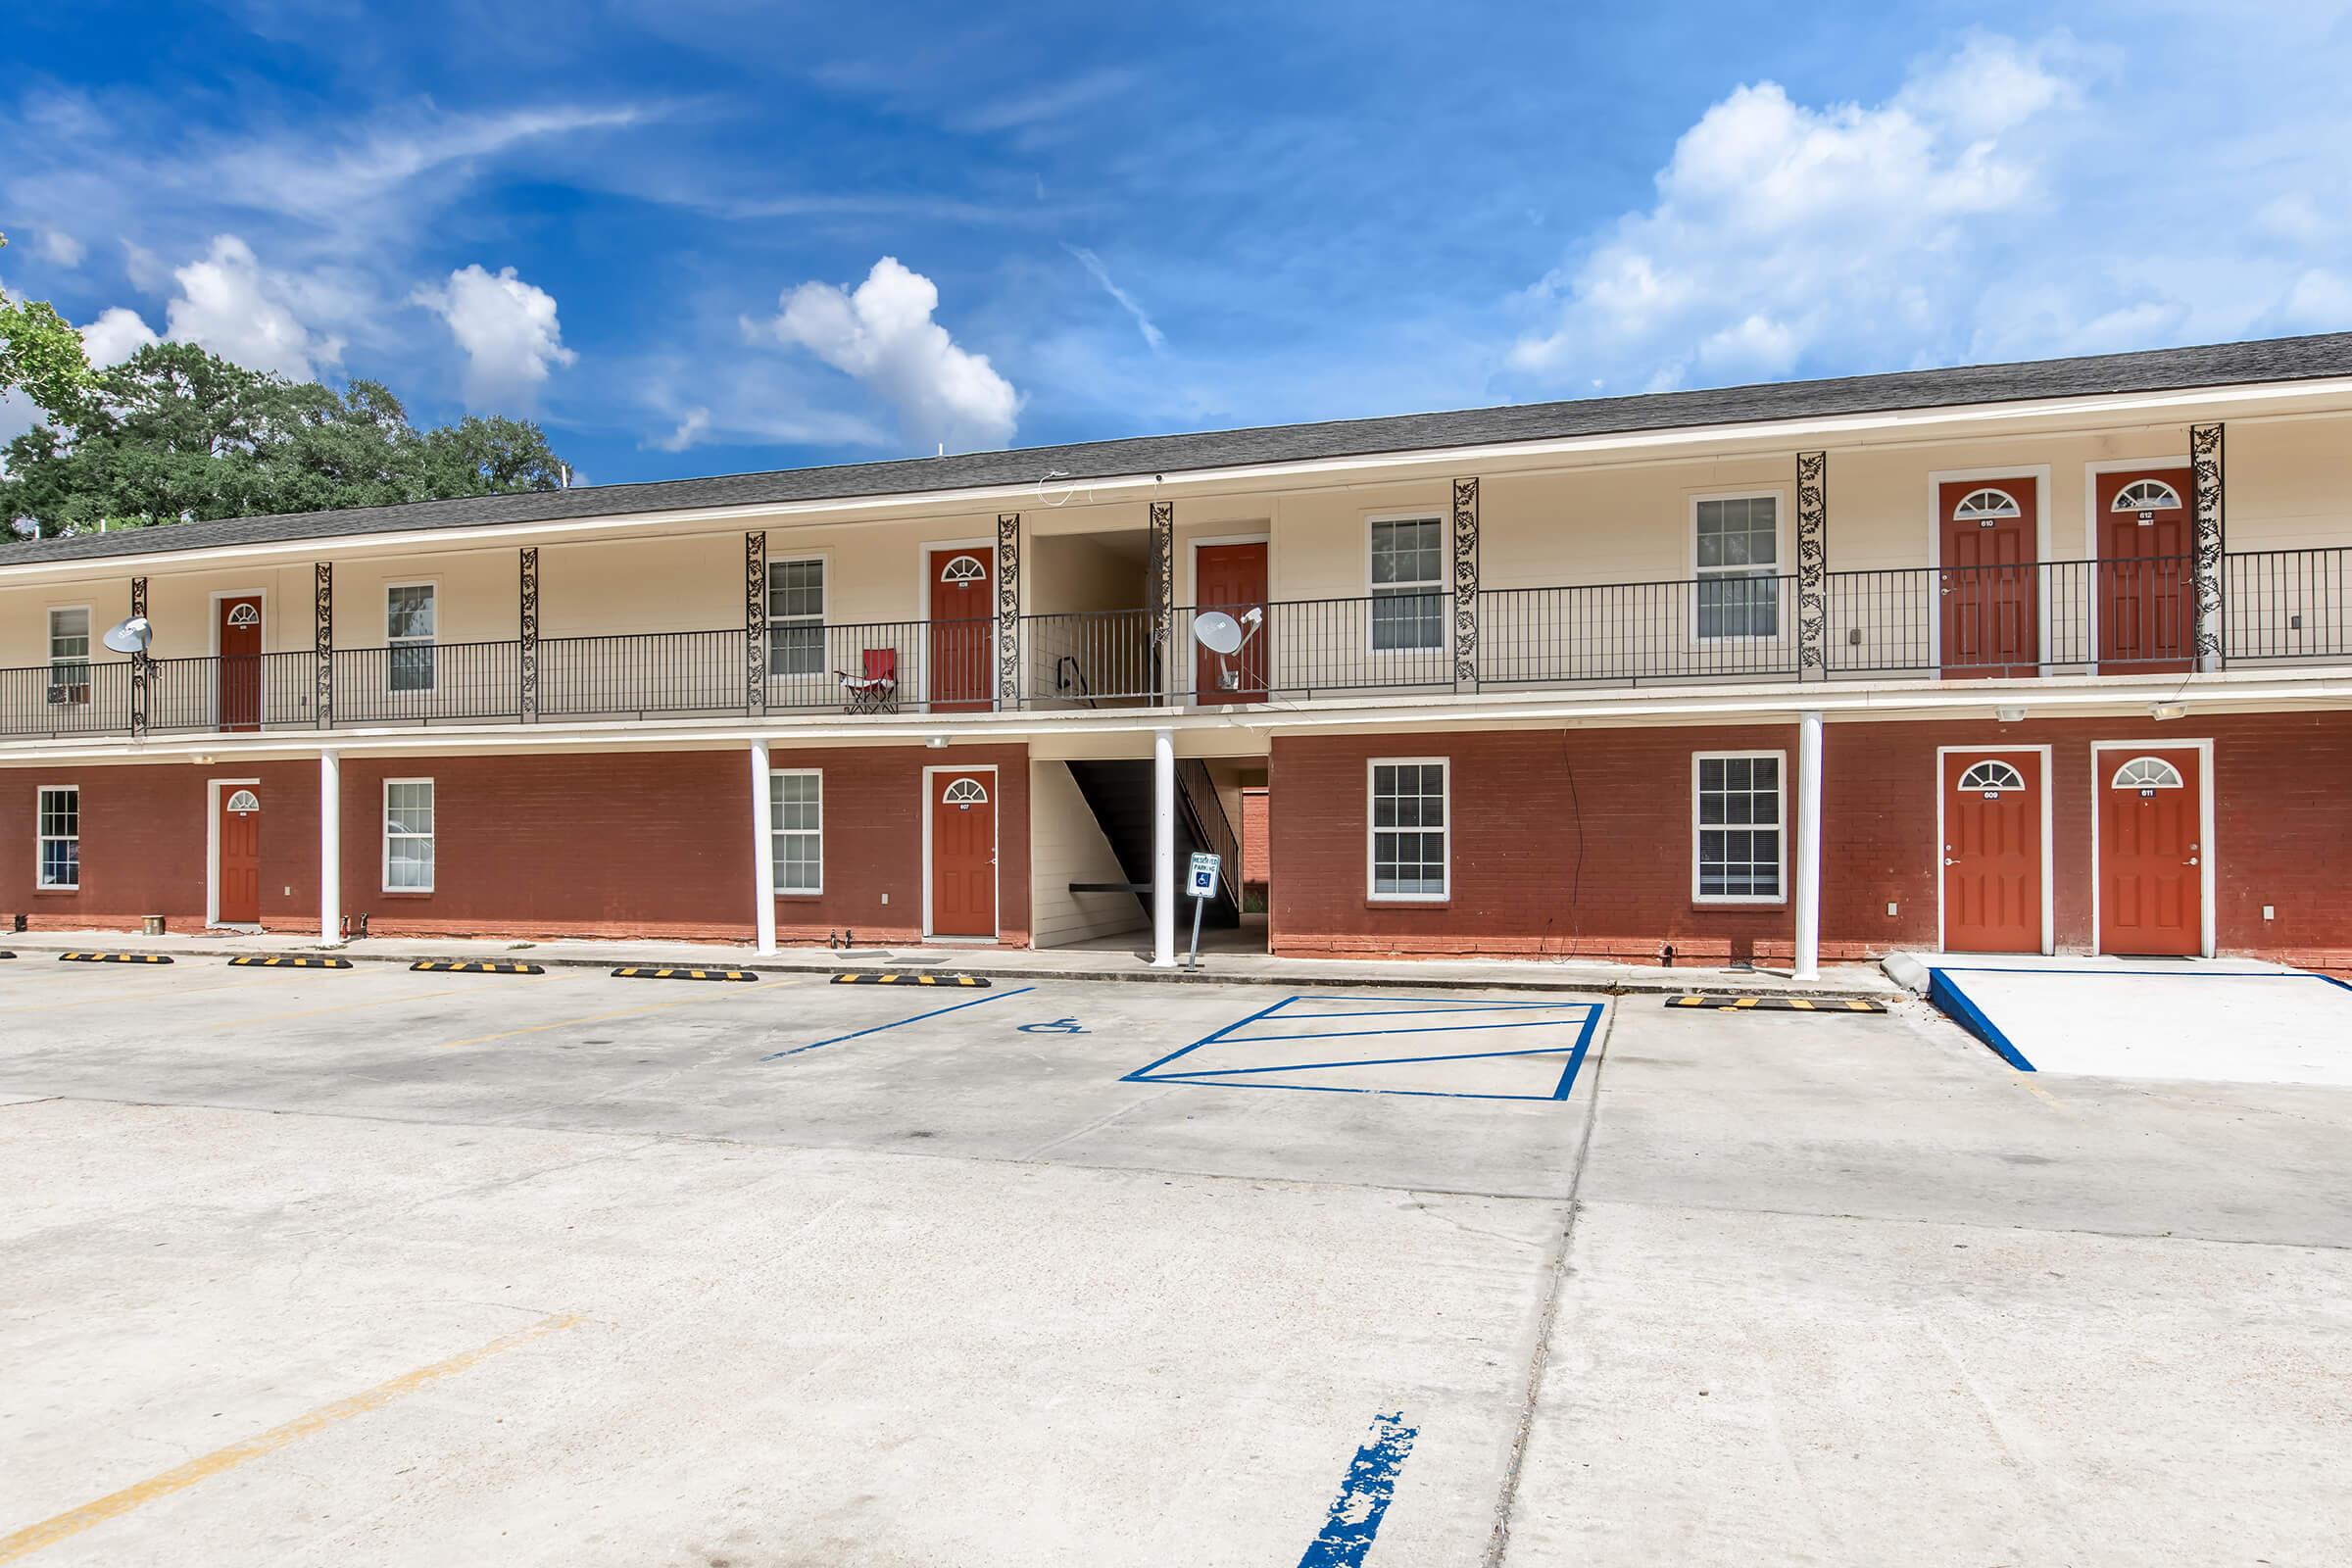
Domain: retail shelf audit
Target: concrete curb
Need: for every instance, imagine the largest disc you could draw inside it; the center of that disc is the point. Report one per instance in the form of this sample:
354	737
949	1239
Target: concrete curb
1713	982
1906	971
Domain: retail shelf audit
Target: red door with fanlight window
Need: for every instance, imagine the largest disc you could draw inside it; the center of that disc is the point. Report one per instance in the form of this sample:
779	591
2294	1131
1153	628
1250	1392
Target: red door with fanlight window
1232	578
239	642
963	632
1992	851
2151	851
237	859
2147	605
963	852
1987	579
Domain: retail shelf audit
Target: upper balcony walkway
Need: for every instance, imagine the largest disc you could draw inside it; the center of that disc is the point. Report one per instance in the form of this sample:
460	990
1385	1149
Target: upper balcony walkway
2118	616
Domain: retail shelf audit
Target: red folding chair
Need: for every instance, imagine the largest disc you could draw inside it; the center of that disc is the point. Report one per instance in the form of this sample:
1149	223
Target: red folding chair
877	690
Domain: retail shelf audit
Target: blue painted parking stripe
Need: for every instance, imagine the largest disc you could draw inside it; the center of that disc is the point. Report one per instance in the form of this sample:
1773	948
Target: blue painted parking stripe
1564	1049
1200	1081
1364	1500
1371	1034
1942	993
1136	1076
859	1033
1433	1011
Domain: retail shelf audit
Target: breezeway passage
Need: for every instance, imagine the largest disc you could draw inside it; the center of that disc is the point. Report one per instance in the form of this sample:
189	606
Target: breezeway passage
557	1269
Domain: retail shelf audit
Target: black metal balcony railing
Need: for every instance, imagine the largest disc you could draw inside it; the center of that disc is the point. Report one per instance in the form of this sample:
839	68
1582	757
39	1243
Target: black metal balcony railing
2095	617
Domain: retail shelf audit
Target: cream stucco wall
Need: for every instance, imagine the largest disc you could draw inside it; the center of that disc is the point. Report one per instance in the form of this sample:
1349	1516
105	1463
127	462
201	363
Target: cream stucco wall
1065	846
1603	520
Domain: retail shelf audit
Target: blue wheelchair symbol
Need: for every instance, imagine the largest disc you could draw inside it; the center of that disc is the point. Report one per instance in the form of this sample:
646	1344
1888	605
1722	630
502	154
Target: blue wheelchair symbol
1060	1026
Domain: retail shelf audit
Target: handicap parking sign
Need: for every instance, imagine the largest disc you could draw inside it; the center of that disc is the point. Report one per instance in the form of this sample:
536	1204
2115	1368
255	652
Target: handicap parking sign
1204	876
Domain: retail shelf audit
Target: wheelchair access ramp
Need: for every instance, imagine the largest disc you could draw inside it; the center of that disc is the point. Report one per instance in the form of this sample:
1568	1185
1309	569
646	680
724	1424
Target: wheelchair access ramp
2207	1020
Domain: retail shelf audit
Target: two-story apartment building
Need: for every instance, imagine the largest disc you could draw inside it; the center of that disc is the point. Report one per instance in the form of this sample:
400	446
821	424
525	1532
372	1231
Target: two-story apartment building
2022	657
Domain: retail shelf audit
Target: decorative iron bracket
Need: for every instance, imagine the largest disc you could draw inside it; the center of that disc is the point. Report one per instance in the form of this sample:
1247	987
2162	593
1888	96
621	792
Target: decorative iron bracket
323	643
1465	584
1009	610
1812	565
2206	473
528	705
755	621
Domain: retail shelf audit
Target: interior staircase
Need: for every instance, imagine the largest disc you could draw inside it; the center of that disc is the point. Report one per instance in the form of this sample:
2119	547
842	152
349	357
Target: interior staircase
1119	793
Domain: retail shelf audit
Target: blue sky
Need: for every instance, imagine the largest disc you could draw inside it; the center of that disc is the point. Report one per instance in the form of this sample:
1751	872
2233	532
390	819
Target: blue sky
692	236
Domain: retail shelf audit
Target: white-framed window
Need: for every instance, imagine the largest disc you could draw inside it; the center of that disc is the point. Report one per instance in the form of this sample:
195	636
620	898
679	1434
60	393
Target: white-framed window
1408	583
2145	495
1410	830
1738	846
795	819
408	835
57	828
795	616
2146	773
1992	776
1735	556
410	620
1986	505
70	655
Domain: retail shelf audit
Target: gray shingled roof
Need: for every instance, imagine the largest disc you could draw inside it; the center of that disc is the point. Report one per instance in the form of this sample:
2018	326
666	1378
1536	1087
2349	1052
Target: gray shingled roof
2291	359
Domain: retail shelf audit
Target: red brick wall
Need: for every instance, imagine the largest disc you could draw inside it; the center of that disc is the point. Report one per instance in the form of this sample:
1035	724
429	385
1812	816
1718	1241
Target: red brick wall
1256	817
653	843
2284	837
144	846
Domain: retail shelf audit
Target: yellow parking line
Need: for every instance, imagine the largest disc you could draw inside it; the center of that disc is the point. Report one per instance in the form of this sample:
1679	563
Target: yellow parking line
49	1532
626	1013
2044	1094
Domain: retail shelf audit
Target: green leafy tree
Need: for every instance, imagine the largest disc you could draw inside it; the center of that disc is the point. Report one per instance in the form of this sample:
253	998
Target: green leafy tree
175	433
40	353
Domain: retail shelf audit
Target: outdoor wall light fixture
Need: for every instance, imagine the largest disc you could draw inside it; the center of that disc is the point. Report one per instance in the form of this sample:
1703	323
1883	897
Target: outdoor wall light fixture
937	743
2167	710
2010	715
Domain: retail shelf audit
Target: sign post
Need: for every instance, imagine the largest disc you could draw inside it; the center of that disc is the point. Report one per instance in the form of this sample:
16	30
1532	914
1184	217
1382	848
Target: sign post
1202	885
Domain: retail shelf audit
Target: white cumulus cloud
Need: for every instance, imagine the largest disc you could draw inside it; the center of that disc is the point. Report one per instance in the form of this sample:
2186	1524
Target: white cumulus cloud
116	334
56	245
882	333
1782	231
509	330
250	315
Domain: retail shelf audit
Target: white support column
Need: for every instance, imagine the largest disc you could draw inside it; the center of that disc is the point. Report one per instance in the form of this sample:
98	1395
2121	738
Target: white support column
1808	848
330	846
764	858
1164	848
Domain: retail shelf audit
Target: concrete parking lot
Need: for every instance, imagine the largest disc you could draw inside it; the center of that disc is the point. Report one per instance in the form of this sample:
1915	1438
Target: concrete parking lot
374	1266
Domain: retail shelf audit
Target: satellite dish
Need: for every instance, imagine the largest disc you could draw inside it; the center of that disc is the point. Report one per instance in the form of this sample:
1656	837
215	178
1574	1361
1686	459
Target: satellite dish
1217	631
130	637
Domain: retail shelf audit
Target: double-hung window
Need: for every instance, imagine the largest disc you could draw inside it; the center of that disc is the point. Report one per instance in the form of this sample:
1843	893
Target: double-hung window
1736	553
795	616
1409	831
1738	827
408	835
1408	584
57	822
796	809
68	656
409	622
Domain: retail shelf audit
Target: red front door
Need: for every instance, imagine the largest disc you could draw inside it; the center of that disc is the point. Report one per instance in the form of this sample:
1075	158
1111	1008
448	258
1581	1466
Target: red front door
2151	861
239	640
963	632
1231	578
1992	851
964	854
2147	611
1991	601
237	868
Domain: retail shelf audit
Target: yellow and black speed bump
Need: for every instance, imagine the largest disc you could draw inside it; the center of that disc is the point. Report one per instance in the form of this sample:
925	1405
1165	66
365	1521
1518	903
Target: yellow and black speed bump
904	977
1776	1004
256	960
640	972
112	957
6	954
475	966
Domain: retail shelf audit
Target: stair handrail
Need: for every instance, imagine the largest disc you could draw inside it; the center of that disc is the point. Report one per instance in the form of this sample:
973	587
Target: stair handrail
1196	788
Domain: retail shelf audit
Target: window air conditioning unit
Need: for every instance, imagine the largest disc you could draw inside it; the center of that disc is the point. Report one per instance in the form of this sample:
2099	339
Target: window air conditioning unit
63	696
